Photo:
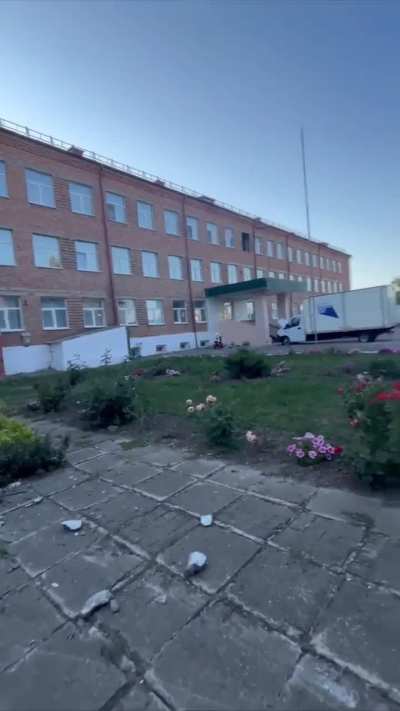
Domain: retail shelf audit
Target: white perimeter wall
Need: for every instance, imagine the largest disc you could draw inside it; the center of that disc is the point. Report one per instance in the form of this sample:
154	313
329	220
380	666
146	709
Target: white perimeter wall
148	344
21	359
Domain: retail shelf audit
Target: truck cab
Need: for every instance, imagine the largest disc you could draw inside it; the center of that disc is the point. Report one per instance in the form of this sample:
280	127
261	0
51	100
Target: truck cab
292	331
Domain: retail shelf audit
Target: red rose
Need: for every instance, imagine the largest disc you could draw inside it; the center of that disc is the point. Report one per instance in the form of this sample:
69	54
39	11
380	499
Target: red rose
338	450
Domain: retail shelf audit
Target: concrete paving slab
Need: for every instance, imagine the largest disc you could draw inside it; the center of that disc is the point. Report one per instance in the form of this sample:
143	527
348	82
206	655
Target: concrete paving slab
317	685
157	529
255	516
22	521
72	581
325	540
44	548
140	699
102	464
158	455
11	575
288	591
57	481
120	510
361	629
222	660
152	609
373	509
26	617
165	484
67	672
129	474
200	468
90	492
253	480
239	477
203	498
378	561
11	498
76	456
227	552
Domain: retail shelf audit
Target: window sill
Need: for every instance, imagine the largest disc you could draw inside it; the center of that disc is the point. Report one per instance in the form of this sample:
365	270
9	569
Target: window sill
12	330
181	323
89	271
129	324
103	325
157	324
5	196
55	328
84	214
8	265
170	234
122	273
149	276
41	266
39	204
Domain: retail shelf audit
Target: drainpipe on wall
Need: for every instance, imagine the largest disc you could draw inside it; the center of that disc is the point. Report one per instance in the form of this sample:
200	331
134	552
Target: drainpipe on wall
108	248
188	271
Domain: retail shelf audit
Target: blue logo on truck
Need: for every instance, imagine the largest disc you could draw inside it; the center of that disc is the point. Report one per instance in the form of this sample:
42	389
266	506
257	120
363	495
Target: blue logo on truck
327	311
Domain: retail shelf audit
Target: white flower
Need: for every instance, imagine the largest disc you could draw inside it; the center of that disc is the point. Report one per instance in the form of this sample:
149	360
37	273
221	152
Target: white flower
190	409
251	437
210	399
189	402
200	407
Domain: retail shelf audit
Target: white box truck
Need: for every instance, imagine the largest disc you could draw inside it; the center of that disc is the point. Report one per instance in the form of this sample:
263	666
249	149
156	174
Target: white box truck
362	313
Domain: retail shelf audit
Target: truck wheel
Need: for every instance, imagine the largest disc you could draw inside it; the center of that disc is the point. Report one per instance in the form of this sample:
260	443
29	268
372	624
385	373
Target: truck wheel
285	341
364	337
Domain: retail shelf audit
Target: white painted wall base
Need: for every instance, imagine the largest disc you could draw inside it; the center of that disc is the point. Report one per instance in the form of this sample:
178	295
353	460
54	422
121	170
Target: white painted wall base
171	342
29	359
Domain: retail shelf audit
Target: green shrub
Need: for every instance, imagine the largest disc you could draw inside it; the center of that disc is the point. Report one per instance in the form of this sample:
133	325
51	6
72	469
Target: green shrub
76	372
111	402
24	453
219	426
51	394
385	367
247	364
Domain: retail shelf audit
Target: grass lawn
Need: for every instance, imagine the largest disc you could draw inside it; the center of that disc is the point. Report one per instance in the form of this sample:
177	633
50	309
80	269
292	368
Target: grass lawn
301	400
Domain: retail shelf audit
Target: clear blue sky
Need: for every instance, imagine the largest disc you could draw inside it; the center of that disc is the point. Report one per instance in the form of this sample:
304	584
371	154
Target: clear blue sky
212	95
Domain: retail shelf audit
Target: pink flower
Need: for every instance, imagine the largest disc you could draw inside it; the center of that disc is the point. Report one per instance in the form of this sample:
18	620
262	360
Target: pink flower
322	449
312	454
291	448
330	449
299	453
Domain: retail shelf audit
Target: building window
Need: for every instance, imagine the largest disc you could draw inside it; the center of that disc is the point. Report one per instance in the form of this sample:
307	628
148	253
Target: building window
309	284
86	256
46	252
260	273
290	254
250	312
171	222
39	188
179	311
307	258
126	312
145	215
150	264
315	260
246	273
227	311
212	233
121	260
322	263
200	313
274	311
299	256
329	286
245	242
155	312
299	278
339	267
279	250
10	313
192	227
334	284
340	285
116	207
175	265
232	274
322	286
81	198
196	269
257	245
281	275
229	236
270	249
7	256
316	285
272	275
291	277
333	265
215	269
93	313
3	180
54	313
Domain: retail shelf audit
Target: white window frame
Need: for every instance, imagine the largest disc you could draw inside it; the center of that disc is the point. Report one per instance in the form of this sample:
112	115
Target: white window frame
3	180
118	205
123	309
307	258
83	200
272	275
230	268
339	266
281	275
247	270
4	309
118	256
279	250
52	250
299	256
179	313
79	246
45	192
200	310
323	289
290	254
171	229
334	265
309	283
156	275
270	249
192	228
274	311
314	258
161	309
149	223
174	261
321	262
258	245
53	310
229	237
215	273
196	264
94	311
316	284
212	233
260	273
7	243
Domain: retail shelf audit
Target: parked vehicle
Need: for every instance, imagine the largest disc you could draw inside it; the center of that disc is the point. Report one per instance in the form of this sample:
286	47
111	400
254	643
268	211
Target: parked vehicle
362	313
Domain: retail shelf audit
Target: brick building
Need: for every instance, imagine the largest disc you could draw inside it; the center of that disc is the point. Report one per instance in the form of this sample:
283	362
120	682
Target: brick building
86	242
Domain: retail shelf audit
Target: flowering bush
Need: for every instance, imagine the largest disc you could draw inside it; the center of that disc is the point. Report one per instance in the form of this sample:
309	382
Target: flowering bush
312	449
191	407
217	420
373	410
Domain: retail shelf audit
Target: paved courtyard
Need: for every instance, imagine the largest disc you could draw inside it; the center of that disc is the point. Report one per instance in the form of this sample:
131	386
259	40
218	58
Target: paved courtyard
298	608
